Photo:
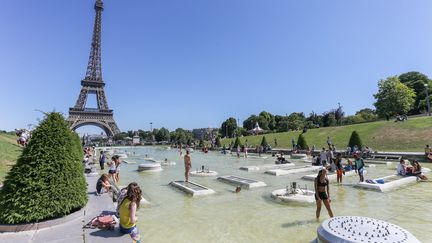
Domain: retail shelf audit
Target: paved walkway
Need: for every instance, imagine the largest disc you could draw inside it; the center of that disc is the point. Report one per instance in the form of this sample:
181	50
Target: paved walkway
72	232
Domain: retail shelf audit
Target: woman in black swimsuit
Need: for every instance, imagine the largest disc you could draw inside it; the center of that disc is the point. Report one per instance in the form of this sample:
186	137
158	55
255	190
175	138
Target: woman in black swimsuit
322	193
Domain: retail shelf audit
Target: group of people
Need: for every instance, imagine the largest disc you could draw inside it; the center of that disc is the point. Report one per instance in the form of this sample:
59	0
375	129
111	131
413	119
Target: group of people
414	169
128	199
113	165
23	135
334	164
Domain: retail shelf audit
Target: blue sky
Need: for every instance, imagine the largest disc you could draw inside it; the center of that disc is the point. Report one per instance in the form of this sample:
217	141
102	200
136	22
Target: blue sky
195	63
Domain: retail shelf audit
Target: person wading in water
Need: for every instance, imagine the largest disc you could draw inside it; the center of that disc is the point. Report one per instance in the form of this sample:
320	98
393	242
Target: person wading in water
322	193
188	165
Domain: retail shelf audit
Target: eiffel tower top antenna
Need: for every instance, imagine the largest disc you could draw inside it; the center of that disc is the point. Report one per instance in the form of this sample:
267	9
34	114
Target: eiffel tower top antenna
94	66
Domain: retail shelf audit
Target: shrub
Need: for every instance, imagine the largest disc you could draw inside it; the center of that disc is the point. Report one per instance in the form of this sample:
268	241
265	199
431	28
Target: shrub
355	140
218	142
47	181
301	142
264	142
237	143
201	143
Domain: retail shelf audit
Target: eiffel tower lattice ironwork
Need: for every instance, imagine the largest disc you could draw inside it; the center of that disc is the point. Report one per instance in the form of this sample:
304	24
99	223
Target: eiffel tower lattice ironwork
101	116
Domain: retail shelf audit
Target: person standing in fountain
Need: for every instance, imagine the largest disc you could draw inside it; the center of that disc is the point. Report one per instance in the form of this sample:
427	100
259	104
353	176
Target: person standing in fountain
188	165
339	167
359	164
127	211
322	193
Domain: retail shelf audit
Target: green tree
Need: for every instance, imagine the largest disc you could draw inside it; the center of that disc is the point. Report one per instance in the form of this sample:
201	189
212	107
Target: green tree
47	181
329	118
264	141
181	136
296	120
393	97
218	142
251	121
301	142
201	143
367	114
416	81
315	119
162	134
339	115
120	136
228	127
237	143
270	120
355	140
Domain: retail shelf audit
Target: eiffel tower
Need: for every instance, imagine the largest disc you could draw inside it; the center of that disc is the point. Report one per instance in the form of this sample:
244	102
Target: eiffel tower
101	116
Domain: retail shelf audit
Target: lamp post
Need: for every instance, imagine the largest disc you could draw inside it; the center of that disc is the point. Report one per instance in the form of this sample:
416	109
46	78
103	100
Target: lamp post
427	99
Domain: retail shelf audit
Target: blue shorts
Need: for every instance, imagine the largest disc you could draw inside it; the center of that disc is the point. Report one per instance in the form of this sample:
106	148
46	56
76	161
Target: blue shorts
133	232
360	171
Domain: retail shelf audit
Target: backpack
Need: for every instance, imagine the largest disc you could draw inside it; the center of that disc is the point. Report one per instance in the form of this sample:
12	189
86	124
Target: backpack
102	222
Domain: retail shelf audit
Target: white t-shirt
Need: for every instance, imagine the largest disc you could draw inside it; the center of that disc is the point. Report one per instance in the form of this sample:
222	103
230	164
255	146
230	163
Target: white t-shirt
401	169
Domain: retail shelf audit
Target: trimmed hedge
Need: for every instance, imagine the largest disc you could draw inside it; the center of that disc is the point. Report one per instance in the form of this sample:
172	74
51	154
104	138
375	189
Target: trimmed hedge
218	142
47	181
264	142
355	140
237	143
301	142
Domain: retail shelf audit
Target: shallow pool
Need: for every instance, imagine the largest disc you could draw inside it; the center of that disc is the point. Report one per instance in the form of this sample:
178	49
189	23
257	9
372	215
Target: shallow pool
251	215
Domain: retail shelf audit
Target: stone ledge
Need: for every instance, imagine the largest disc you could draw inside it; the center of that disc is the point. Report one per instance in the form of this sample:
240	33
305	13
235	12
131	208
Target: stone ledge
41	225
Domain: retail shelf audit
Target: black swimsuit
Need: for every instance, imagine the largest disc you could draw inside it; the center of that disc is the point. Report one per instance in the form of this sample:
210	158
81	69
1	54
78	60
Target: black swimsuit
321	195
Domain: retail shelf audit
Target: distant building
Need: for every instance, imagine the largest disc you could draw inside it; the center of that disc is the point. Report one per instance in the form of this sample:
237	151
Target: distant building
205	133
136	140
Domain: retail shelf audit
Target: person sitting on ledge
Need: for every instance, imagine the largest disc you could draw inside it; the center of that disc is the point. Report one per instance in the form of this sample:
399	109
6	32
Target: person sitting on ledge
401	168
103	185
428	152
281	159
416	171
349	165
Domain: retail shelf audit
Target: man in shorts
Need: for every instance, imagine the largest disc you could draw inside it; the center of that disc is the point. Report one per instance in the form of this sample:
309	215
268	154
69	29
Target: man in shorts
188	165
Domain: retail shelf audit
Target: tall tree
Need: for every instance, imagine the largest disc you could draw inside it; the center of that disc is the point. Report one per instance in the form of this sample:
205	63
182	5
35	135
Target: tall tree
393	97
250	122
315	119
339	115
162	134
329	118
271	122
296	120
228	127
416	81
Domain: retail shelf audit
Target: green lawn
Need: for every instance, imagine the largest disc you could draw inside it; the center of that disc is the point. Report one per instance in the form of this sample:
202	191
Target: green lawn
9	152
411	135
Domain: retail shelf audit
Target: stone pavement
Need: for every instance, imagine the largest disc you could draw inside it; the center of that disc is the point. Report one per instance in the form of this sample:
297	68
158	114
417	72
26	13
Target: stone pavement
72	232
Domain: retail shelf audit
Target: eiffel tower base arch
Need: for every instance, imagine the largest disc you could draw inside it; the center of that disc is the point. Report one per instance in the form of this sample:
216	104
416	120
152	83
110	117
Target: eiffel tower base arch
106	123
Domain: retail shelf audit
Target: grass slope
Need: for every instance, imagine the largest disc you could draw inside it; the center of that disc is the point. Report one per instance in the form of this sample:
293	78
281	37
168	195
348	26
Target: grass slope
411	135
9	152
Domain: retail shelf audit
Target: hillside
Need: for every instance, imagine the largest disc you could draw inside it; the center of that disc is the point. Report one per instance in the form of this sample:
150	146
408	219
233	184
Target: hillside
9	152
411	135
